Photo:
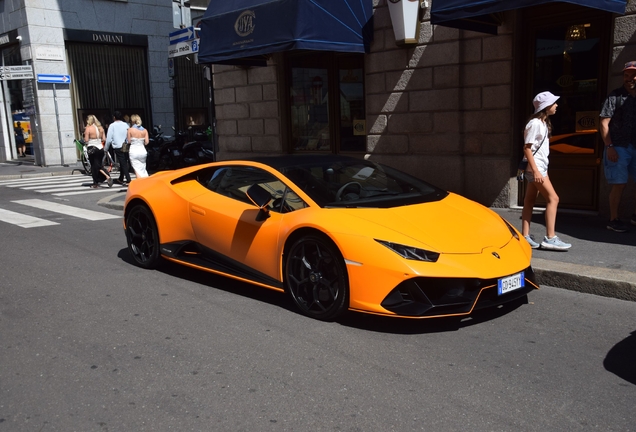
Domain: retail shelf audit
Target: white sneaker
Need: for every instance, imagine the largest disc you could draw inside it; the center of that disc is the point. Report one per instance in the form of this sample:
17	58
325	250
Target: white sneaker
530	239
554	243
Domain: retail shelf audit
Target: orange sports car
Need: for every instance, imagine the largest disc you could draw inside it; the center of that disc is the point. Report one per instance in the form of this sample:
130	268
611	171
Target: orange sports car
335	233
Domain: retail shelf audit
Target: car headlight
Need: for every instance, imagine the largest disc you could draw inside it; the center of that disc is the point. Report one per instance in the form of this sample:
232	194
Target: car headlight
513	231
410	252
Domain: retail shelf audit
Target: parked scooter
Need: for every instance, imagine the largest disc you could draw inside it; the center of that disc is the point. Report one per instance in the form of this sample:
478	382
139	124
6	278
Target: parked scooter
198	151
179	152
159	155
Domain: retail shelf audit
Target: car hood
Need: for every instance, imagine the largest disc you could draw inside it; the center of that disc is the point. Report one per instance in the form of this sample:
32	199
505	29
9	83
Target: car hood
454	225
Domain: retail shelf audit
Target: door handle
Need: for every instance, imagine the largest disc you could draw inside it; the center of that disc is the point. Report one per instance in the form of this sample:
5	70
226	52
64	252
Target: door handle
197	210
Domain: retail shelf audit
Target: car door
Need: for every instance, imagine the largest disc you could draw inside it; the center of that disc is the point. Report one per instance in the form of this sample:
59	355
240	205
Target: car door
225	220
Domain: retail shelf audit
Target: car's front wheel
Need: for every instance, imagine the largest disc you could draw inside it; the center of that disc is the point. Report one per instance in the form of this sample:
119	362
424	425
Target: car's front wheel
316	278
143	237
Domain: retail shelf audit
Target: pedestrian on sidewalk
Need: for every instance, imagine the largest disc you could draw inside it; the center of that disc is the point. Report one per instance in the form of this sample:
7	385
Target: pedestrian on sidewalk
618	131
138	139
93	135
115	138
20	142
536	149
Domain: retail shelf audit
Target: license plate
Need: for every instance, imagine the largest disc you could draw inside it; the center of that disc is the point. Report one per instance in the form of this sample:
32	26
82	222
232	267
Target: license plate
510	283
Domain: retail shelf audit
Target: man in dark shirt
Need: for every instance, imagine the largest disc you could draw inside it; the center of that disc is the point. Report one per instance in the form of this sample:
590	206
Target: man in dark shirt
618	131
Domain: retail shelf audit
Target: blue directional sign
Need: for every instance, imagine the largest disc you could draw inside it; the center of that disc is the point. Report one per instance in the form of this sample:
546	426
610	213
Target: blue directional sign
182	35
54	79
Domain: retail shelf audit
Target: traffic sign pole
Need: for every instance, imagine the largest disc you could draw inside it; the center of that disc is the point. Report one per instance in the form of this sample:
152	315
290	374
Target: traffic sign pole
56	79
59	132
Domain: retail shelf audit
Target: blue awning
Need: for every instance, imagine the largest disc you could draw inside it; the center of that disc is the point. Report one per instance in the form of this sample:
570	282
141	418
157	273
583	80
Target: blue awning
484	15
232	30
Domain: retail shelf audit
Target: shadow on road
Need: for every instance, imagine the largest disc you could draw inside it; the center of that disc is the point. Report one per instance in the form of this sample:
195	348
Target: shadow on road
357	320
428	325
621	359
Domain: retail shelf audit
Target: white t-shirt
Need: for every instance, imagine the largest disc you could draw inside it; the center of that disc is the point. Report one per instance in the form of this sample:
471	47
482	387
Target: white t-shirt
534	134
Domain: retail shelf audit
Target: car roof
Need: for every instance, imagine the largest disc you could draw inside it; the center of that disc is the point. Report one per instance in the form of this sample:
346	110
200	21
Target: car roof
282	161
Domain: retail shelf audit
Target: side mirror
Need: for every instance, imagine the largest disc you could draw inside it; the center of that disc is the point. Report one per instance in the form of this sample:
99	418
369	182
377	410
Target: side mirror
261	198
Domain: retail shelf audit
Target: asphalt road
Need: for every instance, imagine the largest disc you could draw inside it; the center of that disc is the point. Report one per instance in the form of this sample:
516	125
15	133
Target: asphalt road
89	342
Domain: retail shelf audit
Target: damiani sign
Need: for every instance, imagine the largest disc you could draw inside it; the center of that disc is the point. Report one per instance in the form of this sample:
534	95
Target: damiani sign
108	38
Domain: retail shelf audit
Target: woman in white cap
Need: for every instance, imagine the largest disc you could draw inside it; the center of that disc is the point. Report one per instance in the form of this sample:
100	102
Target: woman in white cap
536	150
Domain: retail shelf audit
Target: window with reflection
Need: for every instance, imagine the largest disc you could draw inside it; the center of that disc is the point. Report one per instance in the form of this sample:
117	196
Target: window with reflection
567	63
326	102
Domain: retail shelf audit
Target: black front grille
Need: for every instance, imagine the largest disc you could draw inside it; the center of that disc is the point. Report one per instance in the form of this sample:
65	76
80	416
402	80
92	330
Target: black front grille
425	296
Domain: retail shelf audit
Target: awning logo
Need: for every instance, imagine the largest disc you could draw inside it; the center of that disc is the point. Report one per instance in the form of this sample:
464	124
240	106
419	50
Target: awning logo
244	24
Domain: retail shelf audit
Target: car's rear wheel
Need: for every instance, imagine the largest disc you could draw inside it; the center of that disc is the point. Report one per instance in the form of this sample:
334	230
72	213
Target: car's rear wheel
143	237
316	278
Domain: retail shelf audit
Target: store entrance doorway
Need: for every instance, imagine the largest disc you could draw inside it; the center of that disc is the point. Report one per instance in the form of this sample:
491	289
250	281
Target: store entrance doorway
568	57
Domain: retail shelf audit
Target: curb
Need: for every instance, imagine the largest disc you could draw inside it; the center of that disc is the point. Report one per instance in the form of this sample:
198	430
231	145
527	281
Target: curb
601	281
107	202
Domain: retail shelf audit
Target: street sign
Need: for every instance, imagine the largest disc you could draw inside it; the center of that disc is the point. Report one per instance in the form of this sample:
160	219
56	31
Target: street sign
54	79
16	72
183	48
185	34
181	14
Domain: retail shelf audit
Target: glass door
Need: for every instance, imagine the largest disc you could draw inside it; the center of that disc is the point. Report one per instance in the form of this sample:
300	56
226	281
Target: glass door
326	100
569	58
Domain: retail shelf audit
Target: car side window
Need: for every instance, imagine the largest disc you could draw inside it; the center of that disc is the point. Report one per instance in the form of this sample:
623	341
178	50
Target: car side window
234	181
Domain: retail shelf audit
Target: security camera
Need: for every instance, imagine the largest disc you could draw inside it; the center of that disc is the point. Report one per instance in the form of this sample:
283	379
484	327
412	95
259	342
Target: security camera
18	38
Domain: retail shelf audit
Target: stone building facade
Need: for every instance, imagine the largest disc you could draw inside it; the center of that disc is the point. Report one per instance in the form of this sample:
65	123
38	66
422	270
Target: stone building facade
449	109
40	33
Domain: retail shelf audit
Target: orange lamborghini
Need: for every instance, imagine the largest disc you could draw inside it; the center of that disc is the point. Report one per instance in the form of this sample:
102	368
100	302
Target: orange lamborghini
335	233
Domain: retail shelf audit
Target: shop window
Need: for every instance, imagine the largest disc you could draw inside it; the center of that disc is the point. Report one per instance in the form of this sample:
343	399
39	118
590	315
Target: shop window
326	102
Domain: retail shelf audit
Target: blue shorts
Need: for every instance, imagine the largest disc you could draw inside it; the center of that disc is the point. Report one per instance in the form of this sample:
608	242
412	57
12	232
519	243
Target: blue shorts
618	172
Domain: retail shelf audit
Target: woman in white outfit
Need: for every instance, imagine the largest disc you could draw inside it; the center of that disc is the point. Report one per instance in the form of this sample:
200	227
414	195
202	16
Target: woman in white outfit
138	139
536	150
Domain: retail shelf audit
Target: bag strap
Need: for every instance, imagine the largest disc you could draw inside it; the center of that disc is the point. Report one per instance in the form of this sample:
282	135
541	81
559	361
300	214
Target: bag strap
544	137
542	141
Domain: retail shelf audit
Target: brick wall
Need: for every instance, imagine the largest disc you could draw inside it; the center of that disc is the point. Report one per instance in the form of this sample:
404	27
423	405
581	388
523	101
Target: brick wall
442	109
247	110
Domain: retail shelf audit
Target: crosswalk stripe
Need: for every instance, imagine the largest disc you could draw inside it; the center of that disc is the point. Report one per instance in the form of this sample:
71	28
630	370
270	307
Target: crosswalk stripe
66	210
52	179
89	191
85	189
51	186
22	220
61	186
69	187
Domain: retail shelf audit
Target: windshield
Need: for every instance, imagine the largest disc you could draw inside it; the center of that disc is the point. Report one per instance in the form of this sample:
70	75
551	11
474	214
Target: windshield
359	183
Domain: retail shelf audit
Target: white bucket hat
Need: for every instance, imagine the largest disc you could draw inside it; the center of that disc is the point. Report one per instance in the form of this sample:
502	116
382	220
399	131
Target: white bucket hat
543	100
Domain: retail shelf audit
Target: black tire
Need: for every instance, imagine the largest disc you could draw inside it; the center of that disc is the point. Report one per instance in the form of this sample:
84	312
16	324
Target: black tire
143	237
316	278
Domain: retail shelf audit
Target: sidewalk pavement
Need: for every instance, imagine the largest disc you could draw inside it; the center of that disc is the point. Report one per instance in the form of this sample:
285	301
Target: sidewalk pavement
600	262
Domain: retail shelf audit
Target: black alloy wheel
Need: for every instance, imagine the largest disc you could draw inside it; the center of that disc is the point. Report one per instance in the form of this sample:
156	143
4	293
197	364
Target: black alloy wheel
143	237
316	278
